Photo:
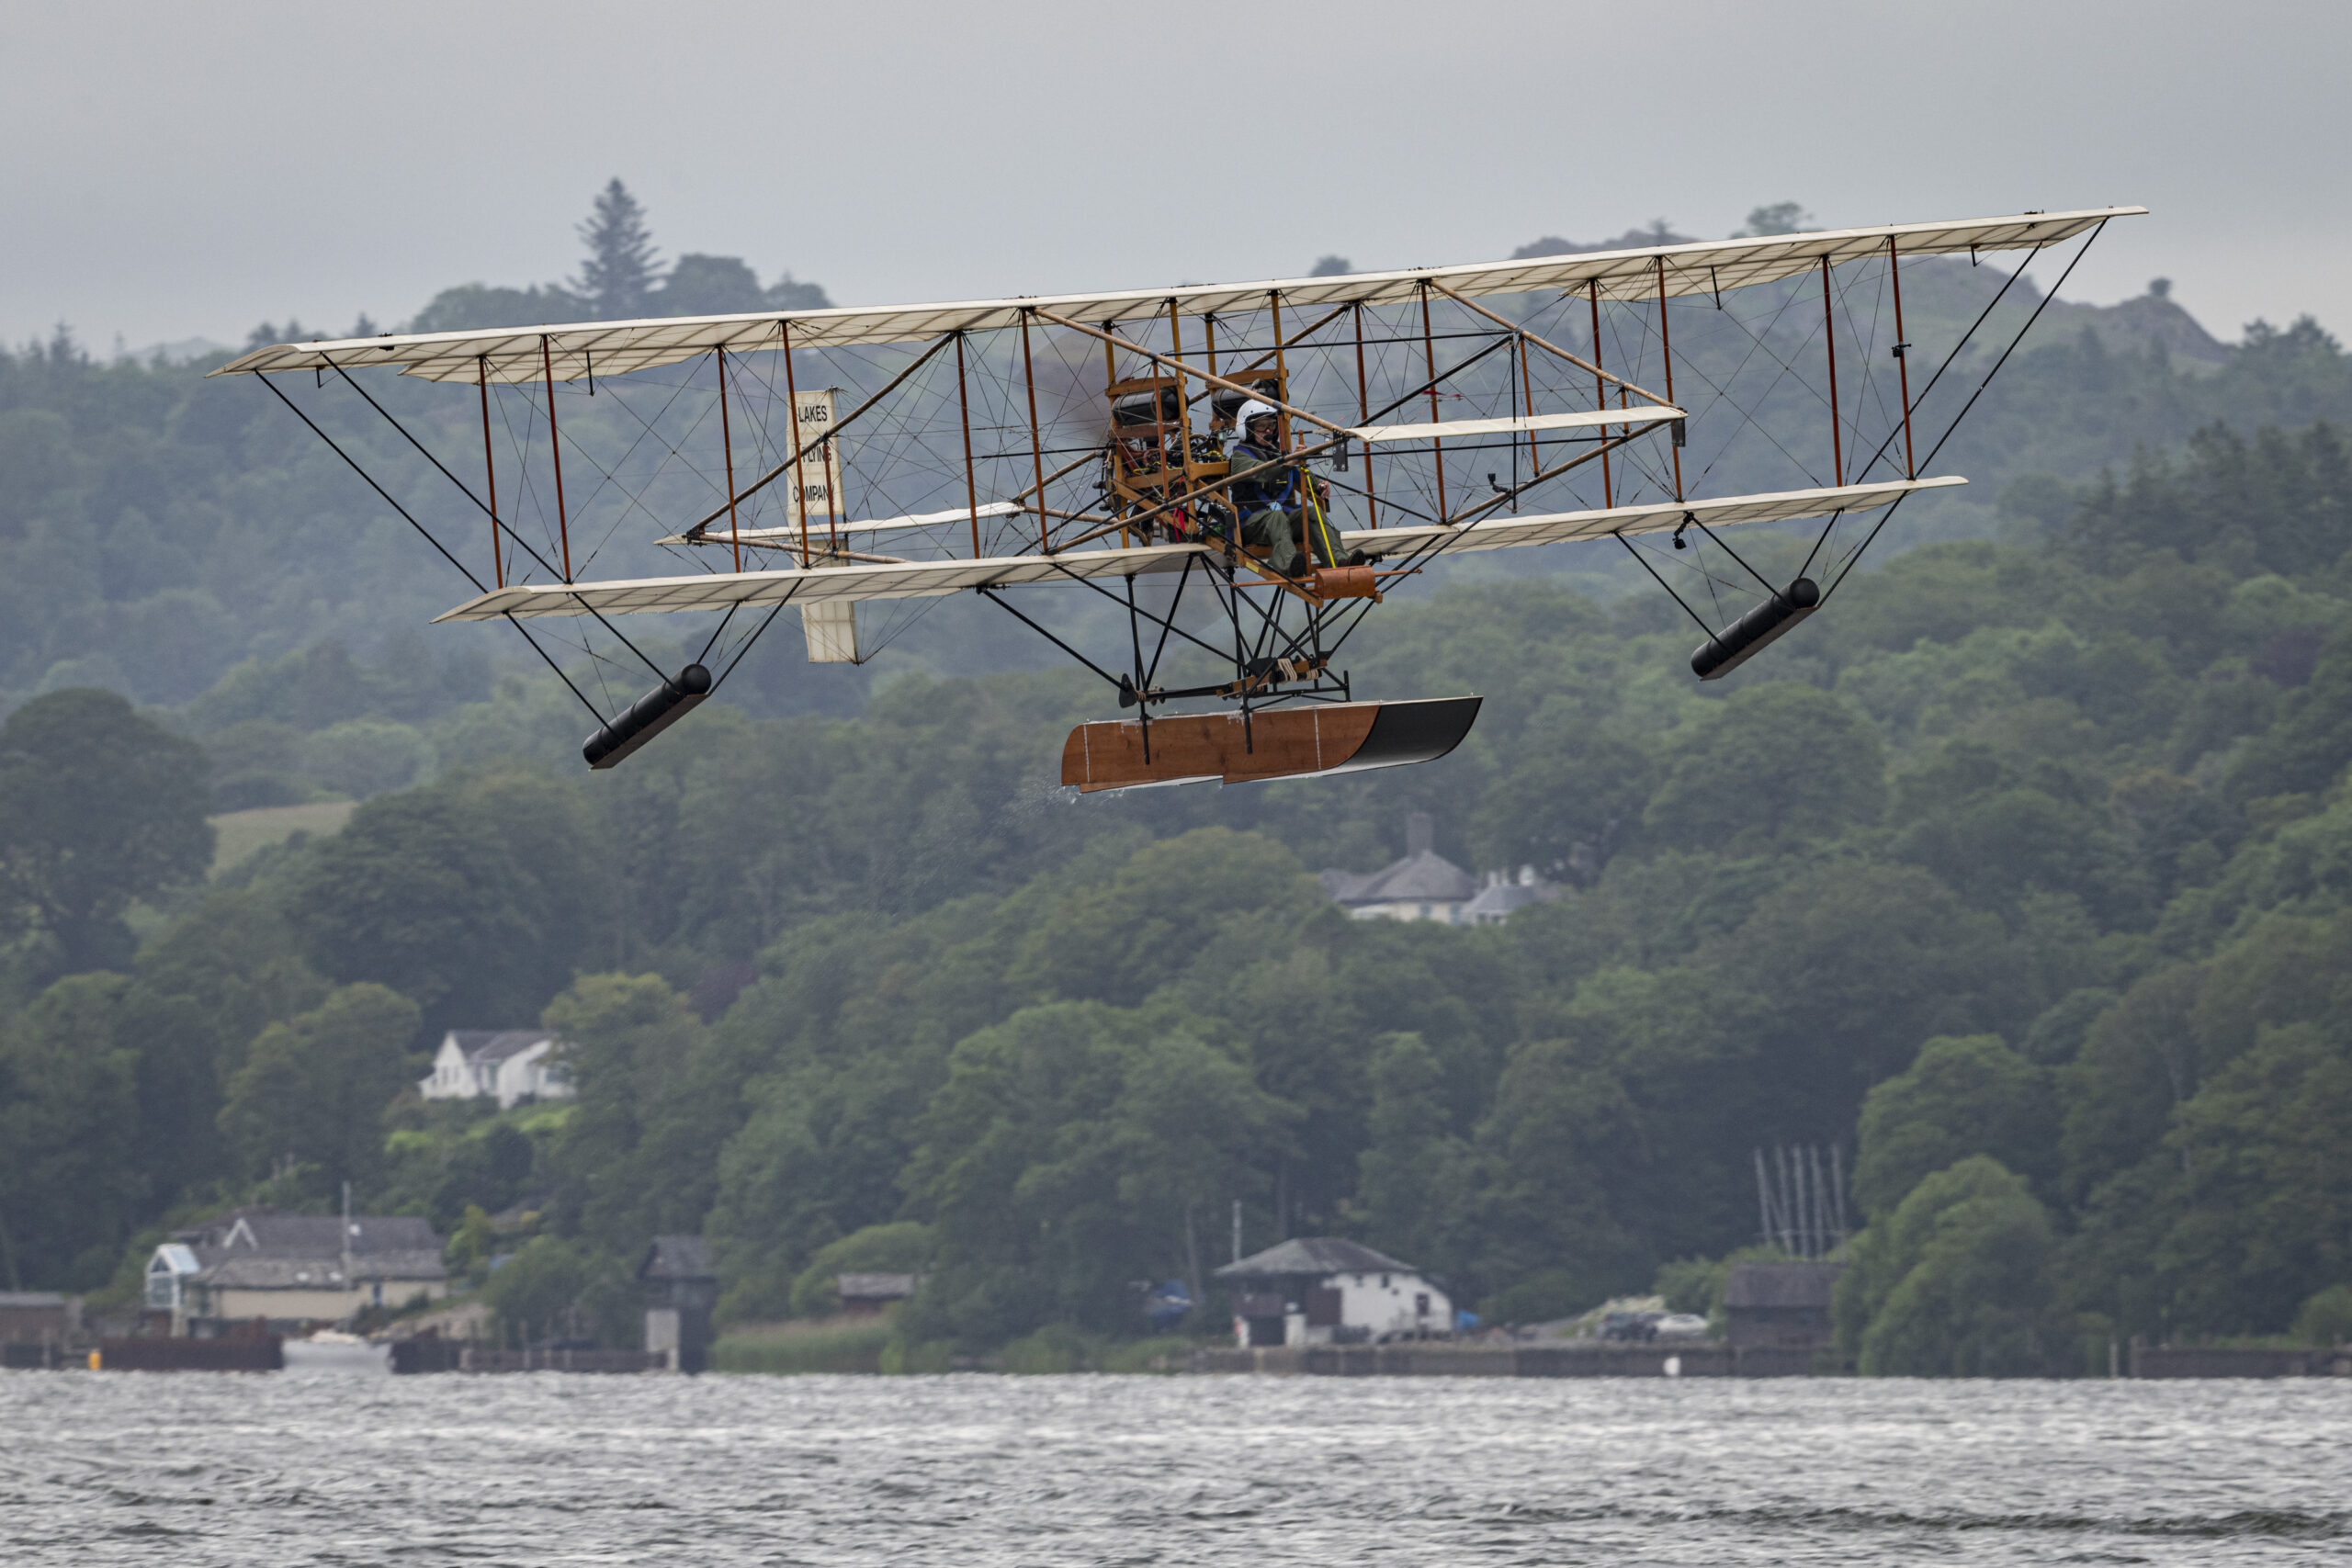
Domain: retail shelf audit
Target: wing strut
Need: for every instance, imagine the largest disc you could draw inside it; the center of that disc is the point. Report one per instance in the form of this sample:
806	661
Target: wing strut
1846	570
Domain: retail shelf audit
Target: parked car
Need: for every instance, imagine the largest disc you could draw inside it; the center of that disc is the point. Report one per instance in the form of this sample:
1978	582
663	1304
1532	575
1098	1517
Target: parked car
1629	1326
1680	1325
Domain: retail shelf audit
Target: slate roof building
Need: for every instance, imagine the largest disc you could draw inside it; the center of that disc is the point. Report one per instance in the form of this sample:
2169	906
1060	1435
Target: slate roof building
513	1064
35	1326
292	1268
1323	1290
1424	886
869	1295
1504	896
680	1288
1781	1306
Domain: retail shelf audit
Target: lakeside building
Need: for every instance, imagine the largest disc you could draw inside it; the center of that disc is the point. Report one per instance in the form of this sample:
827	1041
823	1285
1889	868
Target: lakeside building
1781	1306
37	1327
680	1289
291	1268
512	1065
870	1295
1425	885
1324	1290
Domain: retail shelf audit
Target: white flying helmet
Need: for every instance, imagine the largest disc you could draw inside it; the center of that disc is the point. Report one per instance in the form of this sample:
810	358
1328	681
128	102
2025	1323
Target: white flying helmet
1251	410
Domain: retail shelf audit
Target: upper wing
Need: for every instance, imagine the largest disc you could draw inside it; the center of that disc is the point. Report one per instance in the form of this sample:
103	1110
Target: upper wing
569	352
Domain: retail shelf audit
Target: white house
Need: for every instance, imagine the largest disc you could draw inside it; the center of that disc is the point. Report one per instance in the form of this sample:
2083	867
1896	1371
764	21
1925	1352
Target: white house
1424	886
1323	1290
293	1268
513	1065
1504	896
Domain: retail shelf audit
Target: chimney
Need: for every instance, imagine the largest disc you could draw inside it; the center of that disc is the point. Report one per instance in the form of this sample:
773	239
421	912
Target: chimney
1420	834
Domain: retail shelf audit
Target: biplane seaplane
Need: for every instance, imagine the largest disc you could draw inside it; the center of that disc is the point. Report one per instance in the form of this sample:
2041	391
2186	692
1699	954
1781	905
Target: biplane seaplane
1241	471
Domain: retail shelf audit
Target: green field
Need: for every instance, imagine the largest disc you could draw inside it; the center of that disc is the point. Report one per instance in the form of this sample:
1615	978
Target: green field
241	833
830	1345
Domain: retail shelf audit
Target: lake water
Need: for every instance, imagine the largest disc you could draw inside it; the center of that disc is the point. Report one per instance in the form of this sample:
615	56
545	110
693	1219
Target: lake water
193	1469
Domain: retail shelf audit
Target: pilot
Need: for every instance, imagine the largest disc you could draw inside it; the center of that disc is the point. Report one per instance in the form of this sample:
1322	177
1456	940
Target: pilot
1278	511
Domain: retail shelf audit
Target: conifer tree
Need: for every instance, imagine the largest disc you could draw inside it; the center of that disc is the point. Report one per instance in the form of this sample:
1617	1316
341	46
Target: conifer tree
621	270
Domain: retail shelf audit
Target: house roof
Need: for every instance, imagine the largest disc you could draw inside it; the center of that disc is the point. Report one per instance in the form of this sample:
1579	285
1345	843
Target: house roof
1314	1255
245	1270
1501	898
1425	878
496	1044
677	1258
875	1287
1782	1285
30	1301
378	1244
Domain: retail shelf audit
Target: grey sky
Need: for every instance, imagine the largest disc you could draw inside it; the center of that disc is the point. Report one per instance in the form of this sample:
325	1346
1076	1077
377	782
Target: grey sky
175	170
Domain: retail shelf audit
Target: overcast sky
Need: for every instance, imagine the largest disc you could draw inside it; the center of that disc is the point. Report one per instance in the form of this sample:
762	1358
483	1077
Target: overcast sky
178	170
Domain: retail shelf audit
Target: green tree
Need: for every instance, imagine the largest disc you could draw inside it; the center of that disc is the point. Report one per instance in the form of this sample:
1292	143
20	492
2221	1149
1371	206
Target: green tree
313	1090
1774	766
99	806
638	1154
902	1247
617	278
1209	901
476	897
1414	1174
1959	1281
2325	1319
556	1290
1572	802
2138	1061
2261	1215
70	1176
1071	1152
708	285
1777	218
1966	1094
1846	967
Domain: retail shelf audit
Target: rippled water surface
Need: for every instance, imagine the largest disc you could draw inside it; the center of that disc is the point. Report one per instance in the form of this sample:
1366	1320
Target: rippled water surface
190	1469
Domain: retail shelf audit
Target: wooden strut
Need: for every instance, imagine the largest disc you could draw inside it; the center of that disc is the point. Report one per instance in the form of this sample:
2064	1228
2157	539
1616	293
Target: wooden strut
1282	375
1429	354
1363	418
1037	444
1665	353
1527	406
726	446
555	448
489	465
1829	342
1902	360
799	469
1600	396
964	412
1110	378
1183	409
